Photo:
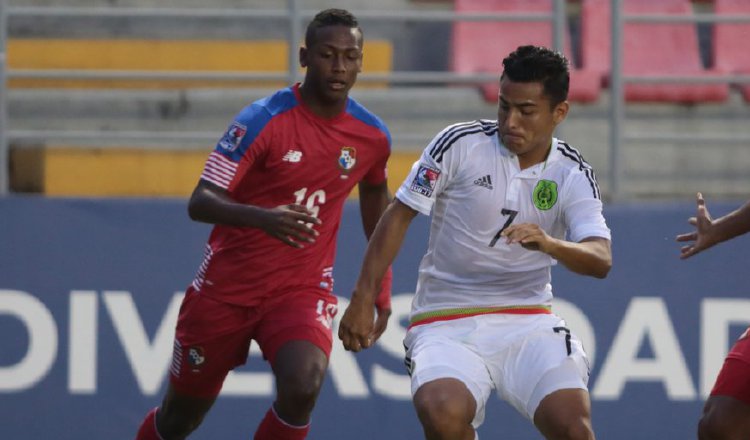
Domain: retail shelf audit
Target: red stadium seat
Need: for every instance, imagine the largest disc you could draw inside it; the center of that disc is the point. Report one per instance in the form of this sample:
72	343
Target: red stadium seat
479	47
649	49
729	41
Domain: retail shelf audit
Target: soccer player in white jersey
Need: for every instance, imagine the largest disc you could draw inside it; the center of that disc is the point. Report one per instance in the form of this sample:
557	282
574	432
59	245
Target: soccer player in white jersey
508	200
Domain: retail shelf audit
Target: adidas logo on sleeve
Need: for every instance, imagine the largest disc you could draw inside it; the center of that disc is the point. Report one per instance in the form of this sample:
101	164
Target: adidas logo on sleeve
484	181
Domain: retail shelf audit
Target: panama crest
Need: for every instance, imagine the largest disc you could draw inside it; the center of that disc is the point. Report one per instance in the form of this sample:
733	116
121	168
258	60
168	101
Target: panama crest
196	358
545	194
347	158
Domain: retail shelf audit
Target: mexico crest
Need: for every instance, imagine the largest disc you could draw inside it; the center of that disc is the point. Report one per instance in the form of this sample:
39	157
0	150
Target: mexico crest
545	194
348	158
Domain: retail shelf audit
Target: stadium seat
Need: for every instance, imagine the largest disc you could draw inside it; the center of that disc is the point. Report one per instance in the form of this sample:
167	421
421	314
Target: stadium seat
479	47
650	49
729	39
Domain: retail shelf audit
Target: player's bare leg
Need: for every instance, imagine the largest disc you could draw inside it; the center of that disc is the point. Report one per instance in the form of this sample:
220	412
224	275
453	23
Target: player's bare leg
446	409
300	368
179	415
565	415
724	418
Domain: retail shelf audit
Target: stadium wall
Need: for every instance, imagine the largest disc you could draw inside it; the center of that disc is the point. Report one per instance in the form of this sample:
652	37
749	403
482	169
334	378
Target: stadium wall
89	291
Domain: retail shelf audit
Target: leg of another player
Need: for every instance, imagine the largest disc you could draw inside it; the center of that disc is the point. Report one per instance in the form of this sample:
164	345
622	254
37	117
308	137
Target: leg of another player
724	418
300	368
178	416
446	409
565	415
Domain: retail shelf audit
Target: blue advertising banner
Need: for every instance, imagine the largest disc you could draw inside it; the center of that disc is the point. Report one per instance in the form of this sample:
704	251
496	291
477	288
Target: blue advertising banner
89	293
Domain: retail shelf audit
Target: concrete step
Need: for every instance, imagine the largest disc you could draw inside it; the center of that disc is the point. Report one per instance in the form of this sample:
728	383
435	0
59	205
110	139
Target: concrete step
413	115
194	119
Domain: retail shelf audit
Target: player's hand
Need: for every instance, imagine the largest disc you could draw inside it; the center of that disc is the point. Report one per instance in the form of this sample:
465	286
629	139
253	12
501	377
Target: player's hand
701	237
292	224
356	328
528	235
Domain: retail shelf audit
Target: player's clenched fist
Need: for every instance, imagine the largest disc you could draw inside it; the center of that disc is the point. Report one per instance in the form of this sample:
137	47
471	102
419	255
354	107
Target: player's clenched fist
356	326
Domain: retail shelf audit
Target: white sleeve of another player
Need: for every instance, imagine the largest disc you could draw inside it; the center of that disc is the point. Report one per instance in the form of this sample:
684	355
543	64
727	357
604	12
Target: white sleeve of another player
427	178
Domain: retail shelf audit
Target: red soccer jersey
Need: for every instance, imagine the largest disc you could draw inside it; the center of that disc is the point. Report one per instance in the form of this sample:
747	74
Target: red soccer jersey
277	152
741	349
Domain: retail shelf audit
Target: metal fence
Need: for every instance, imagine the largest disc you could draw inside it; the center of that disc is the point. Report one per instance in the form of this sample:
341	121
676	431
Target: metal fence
4	153
296	18
617	89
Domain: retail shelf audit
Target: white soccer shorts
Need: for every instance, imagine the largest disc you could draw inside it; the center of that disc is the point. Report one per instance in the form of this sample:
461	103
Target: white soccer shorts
523	357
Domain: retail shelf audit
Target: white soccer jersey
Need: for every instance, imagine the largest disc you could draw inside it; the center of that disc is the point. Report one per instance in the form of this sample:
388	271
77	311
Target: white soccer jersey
473	186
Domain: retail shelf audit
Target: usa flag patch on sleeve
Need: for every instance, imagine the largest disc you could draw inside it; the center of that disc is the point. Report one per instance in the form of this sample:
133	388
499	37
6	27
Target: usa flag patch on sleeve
425	180
232	138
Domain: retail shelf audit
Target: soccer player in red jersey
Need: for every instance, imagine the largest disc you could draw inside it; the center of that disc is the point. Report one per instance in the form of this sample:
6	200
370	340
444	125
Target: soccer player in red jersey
274	187
726	414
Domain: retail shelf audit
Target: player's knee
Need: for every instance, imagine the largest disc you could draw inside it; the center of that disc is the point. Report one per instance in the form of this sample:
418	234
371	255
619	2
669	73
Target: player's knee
440	413
300	394
704	429
712	427
717	421
301	386
174	425
579	430
571	429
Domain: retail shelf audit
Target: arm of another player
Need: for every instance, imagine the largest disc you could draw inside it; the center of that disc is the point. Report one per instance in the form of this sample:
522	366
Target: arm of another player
356	326
591	256
709	232
290	224
373	201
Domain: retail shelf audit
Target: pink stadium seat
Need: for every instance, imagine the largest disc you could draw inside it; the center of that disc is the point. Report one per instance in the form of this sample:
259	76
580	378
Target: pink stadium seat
649	49
730	41
479	47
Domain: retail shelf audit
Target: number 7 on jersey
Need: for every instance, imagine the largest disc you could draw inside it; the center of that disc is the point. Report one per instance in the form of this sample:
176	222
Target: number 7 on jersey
511	215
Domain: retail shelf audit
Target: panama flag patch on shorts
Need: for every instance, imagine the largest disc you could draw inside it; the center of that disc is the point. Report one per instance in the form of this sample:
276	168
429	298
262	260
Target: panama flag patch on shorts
425	180
232	138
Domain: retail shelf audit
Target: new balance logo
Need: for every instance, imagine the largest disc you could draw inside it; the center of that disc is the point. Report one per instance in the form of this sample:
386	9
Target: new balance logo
484	181
292	156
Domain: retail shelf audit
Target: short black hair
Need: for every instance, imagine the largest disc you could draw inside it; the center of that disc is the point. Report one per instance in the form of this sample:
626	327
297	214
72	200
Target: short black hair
540	64
330	17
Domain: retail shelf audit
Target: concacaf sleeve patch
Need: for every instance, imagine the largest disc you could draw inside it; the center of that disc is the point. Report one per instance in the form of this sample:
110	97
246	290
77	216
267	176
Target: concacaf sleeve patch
232	138
425	180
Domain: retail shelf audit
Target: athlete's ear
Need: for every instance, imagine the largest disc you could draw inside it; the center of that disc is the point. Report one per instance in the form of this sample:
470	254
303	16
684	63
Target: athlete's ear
560	112
303	56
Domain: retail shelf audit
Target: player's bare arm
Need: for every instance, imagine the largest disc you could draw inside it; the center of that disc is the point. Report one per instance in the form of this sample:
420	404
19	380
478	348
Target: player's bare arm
591	256
291	224
356	329
373	201
709	232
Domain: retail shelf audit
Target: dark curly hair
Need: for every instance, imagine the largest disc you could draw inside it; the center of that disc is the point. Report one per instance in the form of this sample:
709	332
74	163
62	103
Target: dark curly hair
330	17
539	64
